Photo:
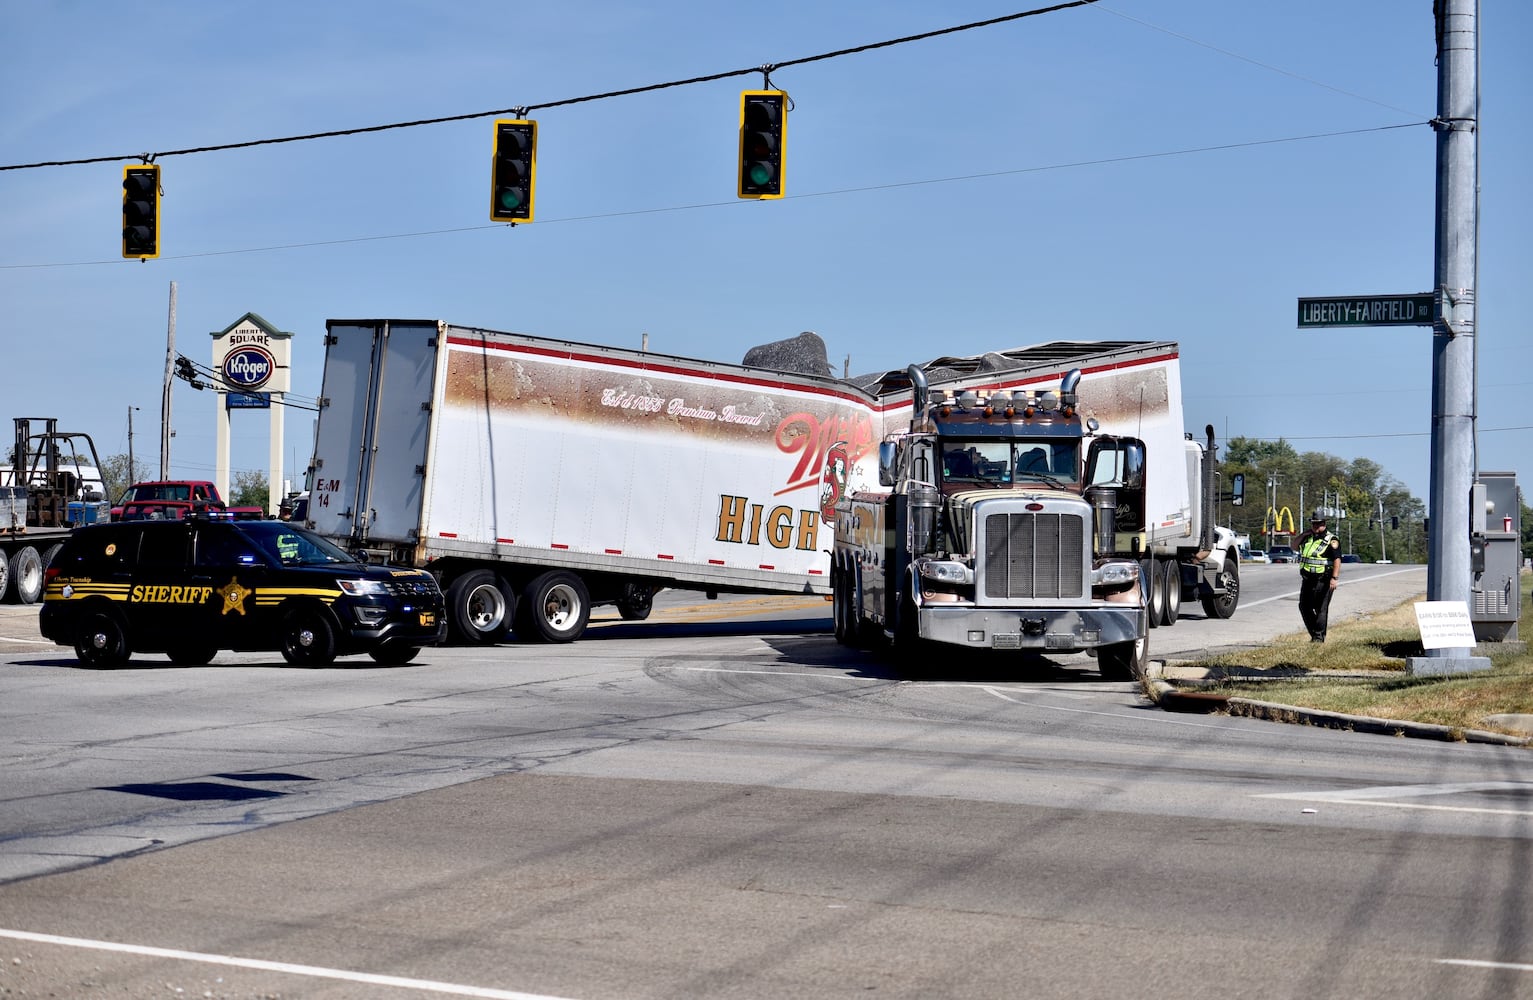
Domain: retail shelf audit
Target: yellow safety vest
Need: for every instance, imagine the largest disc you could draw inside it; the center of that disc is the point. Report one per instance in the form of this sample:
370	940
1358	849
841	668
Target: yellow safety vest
1312	554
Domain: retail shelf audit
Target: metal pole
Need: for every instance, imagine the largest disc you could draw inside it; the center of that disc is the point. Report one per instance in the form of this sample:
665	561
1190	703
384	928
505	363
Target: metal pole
1383	555
1453	332
170	365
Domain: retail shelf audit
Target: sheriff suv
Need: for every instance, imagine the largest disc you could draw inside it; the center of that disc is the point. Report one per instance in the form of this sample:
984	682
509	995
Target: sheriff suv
191	587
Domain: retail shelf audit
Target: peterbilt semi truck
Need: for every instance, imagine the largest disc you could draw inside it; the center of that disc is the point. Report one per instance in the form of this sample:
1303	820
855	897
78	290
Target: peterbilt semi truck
1043	499
536	478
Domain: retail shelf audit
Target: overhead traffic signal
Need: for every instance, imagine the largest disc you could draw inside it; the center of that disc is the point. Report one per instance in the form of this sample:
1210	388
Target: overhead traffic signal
141	211
763	126
515	171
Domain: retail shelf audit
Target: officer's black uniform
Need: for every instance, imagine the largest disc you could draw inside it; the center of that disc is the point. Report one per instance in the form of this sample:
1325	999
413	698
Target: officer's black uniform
1319	568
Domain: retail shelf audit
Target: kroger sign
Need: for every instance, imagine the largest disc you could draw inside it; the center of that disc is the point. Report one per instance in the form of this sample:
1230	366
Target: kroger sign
249	367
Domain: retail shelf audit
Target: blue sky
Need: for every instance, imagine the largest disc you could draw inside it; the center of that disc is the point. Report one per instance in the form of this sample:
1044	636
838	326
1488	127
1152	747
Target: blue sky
1138	169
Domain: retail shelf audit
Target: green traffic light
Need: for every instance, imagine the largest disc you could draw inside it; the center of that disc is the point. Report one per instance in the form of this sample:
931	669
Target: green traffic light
512	184
763	124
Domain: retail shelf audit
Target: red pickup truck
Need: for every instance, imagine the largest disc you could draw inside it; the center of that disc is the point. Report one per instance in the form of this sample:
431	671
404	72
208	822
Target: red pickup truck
174	499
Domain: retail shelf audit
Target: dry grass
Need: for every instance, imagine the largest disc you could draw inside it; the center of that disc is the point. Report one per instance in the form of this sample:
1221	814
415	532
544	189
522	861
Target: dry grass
1372	650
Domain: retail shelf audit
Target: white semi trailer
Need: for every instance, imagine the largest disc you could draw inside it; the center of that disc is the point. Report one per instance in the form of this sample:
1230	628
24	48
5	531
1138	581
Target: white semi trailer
537	477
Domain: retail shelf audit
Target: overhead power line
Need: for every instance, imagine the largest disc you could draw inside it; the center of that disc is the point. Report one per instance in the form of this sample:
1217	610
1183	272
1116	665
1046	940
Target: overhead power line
524	109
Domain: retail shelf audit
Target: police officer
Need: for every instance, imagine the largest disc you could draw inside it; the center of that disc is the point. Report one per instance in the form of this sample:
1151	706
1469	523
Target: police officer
1319	570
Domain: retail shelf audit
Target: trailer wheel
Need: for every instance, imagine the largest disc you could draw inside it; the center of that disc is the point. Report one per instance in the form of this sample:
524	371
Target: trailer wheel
1124	661
480	607
637	601
5	575
191	655
555	608
1172	601
394	654
1154	578
102	641
839	605
27	575
1223	605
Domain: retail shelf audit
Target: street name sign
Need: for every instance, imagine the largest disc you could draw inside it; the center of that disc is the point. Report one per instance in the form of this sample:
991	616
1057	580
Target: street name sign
1366	310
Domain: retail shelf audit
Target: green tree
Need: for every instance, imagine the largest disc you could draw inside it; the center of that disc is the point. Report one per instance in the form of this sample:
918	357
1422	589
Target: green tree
117	477
1527	526
249	489
1277	476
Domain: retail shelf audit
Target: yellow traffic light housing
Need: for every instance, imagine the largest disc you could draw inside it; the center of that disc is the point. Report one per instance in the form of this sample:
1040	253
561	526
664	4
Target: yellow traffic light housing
763	129
514	173
141	211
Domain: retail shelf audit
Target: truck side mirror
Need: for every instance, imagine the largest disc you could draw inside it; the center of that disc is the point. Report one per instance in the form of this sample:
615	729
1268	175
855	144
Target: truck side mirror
886	456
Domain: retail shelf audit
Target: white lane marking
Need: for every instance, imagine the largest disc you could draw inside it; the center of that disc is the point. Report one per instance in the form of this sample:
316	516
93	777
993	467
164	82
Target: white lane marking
1475	963
369	978
1375	796
783	673
34	642
1343	582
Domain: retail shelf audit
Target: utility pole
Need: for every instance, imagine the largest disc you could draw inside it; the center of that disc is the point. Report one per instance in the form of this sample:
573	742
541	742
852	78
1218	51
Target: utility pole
170	367
1383	555
1453	330
132	475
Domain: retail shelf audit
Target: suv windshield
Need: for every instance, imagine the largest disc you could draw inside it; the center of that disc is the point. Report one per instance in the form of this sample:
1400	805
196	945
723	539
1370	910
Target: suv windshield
289	545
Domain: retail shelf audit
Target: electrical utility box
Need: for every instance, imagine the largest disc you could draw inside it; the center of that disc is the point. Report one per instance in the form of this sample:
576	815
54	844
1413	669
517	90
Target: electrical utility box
1497	531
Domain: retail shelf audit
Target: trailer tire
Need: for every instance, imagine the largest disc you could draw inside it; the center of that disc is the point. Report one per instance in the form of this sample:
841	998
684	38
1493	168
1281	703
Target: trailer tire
191	655
102	640
27	575
5	575
1223	605
637	601
394	654
1154	578
480	608
1124	661
1172	601
841	605
555	608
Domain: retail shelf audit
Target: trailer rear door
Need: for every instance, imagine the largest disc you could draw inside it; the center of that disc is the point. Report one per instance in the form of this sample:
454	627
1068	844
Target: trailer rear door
373	437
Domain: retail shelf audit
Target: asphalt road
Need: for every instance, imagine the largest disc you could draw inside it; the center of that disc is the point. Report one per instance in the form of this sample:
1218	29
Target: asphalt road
722	802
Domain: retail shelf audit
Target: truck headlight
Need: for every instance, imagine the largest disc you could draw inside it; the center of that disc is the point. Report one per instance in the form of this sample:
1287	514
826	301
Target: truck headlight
1119	573
952	574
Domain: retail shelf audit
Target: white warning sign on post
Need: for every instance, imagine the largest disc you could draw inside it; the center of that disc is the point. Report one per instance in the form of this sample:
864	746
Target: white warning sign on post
1444	625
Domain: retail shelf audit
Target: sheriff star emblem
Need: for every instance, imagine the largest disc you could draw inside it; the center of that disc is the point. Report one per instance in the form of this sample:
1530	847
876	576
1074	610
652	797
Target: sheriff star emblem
234	596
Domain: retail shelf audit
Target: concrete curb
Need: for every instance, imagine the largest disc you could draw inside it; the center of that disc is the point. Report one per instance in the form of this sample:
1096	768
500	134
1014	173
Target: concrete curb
1178	699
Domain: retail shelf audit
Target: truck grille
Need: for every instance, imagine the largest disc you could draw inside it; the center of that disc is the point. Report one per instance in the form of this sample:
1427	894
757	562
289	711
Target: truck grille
1034	556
